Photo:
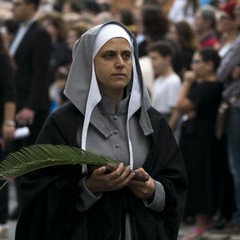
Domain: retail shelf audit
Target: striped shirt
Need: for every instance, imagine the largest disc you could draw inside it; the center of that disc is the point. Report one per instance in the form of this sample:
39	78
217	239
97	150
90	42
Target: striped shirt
231	60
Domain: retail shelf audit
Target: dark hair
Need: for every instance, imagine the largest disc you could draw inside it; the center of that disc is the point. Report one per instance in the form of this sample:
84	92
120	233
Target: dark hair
127	17
162	47
210	54
35	2
57	20
155	22
105	7
208	14
186	35
91	6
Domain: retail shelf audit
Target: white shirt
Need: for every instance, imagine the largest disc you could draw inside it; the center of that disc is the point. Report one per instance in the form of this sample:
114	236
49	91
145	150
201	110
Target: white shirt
165	92
177	12
225	49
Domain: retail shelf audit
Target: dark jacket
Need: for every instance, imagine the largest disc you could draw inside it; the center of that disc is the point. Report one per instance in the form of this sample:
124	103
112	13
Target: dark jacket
32	58
50	196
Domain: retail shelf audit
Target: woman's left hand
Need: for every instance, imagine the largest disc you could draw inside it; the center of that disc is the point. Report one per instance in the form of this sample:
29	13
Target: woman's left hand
143	190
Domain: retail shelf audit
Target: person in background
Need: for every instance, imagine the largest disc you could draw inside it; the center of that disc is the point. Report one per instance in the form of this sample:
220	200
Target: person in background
167	84
205	26
183	33
155	27
7	125
70	6
199	99
104	15
57	28
183	10
229	73
110	114
70	9
227	27
30	48
89	10
56	88
126	17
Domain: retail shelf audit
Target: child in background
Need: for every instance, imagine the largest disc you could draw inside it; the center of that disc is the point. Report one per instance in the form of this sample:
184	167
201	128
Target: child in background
167	84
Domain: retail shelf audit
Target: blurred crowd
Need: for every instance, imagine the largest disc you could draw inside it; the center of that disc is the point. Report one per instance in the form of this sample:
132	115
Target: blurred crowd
189	53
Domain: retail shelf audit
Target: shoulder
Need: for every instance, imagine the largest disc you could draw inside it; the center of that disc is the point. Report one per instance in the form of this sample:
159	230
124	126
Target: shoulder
66	112
155	117
62	126
38	31
174	79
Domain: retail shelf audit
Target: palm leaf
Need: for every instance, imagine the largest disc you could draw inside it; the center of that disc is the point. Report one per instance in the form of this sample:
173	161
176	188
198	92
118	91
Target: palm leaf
39	156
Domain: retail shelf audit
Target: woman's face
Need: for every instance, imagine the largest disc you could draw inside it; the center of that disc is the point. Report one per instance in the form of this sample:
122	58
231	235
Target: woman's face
113	66
159	63
201	68
172	34
225	23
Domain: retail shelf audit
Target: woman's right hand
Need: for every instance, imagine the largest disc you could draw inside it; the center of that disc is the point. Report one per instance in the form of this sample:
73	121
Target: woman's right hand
99	181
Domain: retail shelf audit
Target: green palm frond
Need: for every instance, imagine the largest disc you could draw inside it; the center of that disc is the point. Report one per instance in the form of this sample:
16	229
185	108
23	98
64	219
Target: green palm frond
40	156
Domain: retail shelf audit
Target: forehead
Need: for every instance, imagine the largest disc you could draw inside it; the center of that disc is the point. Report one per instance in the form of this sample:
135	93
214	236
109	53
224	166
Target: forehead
116	44
155	54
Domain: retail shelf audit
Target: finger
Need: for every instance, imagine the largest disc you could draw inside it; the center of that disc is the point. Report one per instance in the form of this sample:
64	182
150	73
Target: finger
99	171
127	180
126	172
115	174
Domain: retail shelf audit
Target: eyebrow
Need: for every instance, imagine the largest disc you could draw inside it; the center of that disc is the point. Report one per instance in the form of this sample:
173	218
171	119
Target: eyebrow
112	50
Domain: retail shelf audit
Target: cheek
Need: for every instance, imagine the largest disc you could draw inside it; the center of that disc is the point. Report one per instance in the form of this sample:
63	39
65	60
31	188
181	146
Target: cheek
102	73
156	63
98	73
198	70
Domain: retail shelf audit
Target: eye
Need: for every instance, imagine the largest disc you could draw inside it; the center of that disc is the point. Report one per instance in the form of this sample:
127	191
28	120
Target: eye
109	55
126	55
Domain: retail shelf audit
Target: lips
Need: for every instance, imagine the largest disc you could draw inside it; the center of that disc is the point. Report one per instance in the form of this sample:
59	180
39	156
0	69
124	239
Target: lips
119	75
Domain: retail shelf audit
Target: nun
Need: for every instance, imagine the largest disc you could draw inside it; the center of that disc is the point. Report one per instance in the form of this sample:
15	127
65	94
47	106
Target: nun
108	113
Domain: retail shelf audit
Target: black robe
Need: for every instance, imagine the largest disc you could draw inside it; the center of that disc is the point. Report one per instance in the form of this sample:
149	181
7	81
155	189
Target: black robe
50	196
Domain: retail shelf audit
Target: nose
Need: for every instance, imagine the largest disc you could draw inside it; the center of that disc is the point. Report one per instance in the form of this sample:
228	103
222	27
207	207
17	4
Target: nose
119	62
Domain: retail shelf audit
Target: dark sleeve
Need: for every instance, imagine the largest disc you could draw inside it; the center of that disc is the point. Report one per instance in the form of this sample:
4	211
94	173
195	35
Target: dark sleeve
7	79
38	93
168	168
49	195
196	94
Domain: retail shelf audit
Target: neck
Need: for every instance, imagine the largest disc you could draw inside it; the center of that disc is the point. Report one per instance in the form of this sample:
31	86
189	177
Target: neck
116	96
168	71
28	18
210	78
231	35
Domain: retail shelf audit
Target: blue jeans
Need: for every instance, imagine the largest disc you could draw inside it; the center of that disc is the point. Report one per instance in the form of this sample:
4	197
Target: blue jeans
233	144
